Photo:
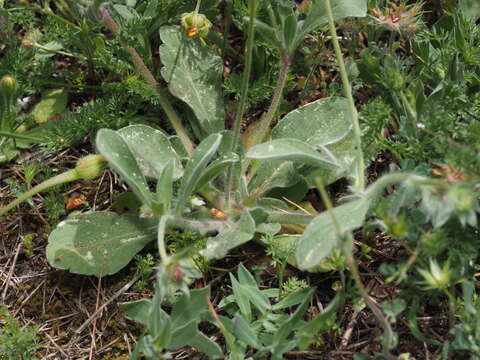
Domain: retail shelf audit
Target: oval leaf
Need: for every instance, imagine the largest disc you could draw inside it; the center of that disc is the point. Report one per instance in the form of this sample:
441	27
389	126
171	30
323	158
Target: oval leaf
320	237
194	74
152	150
121	159
98	243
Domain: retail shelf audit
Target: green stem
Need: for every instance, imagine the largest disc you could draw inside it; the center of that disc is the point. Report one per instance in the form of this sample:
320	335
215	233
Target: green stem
41	47
360	165
49	12
350	260
162	225
162	95
197	7
264	124
290	218
19	136
68	176
243	96
375	190
227	24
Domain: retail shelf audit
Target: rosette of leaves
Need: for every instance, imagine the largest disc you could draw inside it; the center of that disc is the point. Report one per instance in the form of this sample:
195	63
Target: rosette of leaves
312	141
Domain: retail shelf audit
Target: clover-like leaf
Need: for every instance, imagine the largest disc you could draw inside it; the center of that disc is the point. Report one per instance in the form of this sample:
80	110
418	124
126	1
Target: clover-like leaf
98	243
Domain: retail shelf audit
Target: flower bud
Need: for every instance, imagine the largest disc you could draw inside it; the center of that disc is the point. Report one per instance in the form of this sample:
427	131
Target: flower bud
8	85
195	24
90	167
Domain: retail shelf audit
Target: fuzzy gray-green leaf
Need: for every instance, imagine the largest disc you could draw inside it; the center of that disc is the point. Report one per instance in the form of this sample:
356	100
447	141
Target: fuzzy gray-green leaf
121	159
240	232
325	125
320	236
291	150
194	74
152	150
196	166
98	243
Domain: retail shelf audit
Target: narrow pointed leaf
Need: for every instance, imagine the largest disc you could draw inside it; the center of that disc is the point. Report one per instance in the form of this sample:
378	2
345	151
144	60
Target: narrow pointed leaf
164	186
243	331
290	150
98	243
196	165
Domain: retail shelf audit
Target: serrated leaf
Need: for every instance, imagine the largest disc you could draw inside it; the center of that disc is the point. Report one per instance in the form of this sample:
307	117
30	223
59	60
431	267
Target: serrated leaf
239	233
119	156
152	150
98	243
320	237
194	74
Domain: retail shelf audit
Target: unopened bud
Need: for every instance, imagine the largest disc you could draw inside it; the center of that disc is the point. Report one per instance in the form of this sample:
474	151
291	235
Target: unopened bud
8	85
195	24
90	166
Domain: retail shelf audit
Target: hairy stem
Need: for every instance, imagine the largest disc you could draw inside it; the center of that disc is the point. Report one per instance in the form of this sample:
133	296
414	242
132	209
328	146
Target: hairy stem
147	74
68	176
347	250
360	164
243	96
264	125
162	225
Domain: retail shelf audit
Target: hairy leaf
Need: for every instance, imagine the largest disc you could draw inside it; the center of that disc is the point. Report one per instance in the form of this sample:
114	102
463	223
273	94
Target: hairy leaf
240	232
325	125
152	150
289	149
196	166
320	236
194	74
98	243
119	156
